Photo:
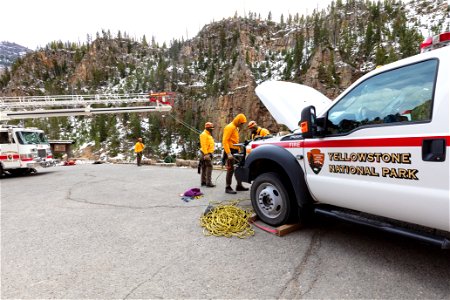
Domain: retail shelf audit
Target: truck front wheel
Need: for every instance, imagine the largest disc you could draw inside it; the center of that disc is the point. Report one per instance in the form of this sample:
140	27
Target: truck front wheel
270	199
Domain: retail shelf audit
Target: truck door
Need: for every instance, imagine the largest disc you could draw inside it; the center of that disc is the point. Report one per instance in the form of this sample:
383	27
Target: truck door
9	150
386	147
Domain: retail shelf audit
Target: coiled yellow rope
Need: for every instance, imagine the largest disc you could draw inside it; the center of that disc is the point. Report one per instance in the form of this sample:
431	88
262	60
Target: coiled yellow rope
227	220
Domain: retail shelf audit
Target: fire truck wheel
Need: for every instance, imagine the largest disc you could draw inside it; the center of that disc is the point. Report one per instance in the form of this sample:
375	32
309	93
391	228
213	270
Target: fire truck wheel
20	172
270	199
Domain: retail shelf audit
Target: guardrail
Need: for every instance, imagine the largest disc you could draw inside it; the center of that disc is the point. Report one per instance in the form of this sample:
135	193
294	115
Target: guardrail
22	102
26	107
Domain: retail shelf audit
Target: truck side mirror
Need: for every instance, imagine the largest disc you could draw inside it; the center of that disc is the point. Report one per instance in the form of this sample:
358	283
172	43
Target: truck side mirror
308	122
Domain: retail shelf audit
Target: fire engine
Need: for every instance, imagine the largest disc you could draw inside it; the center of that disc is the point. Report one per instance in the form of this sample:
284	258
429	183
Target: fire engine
166	98
23	149
378	155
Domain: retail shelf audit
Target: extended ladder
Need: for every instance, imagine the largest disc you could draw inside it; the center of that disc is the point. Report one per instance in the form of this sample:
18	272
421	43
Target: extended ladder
75	105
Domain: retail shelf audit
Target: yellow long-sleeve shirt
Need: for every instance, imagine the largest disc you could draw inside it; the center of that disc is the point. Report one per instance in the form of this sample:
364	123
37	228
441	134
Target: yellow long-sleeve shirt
139	147
260	132
231	133
206	142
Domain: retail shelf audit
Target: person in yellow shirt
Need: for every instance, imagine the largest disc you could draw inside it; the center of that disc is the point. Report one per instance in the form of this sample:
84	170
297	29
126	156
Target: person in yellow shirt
257	131
207	151
231	137
138	148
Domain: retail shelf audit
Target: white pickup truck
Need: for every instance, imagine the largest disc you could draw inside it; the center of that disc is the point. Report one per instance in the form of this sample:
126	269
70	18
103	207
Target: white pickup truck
377	155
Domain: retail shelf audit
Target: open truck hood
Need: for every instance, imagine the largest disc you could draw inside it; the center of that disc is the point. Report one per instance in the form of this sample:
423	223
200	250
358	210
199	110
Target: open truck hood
286	100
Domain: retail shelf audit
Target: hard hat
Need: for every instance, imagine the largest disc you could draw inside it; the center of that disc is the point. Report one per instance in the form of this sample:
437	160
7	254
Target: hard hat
209	125
251	124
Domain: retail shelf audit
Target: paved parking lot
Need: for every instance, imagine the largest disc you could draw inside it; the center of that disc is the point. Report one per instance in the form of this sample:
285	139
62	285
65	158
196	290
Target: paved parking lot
119	231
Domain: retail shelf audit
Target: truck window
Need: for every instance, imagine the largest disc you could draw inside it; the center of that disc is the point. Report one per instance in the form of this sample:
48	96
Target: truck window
43	138
4	138
31	137
403	95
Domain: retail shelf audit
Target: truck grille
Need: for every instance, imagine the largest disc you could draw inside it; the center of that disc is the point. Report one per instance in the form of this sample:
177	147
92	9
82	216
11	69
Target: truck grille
42	153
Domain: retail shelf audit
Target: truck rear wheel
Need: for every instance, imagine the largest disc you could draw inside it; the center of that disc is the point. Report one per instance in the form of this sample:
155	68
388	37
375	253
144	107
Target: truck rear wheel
270	199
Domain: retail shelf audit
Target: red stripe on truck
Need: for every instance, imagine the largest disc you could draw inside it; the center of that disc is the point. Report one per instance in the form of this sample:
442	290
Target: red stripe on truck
5	157
354	143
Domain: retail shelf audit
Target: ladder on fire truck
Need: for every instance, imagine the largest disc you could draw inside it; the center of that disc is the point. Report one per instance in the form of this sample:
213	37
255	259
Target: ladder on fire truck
26	107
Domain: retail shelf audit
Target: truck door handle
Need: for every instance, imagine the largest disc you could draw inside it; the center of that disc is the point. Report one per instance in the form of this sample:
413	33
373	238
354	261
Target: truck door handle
433	150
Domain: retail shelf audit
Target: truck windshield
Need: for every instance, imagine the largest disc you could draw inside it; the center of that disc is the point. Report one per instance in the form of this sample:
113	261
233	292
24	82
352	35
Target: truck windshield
31	137
402	95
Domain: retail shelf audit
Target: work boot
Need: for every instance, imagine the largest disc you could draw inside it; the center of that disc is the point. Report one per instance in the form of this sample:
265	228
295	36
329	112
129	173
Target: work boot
203	183
229	190
241	188
210	185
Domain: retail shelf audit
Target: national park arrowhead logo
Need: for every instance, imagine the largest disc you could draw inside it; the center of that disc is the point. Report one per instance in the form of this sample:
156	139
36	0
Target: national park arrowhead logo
316	159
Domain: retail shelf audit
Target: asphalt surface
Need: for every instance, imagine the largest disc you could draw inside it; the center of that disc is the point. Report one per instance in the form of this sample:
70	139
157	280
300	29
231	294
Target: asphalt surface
123	232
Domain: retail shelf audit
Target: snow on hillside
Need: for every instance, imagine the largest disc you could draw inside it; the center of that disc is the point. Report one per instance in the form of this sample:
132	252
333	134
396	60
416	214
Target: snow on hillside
9	52
430	17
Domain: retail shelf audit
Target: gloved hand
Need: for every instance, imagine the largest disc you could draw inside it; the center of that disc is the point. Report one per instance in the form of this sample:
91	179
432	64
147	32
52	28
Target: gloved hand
230	156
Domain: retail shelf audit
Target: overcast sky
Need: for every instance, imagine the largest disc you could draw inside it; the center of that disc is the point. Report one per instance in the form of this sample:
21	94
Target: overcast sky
33	23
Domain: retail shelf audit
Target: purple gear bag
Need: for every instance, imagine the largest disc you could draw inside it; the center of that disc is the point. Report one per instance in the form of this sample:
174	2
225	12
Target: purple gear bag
193	192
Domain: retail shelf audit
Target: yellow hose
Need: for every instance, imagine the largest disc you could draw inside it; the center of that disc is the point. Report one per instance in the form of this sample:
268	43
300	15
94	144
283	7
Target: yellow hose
227	220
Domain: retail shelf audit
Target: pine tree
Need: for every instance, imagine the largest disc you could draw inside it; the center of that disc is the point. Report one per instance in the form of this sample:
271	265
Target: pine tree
332	76
161	74
298	54
101	127
225	82
392	56
289	64
317	30
144	41
135	126
380	56
368	45
409	42
223	43
5	78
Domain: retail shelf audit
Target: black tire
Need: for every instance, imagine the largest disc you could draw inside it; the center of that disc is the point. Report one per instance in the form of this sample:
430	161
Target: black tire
14	172
270	200
19	172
